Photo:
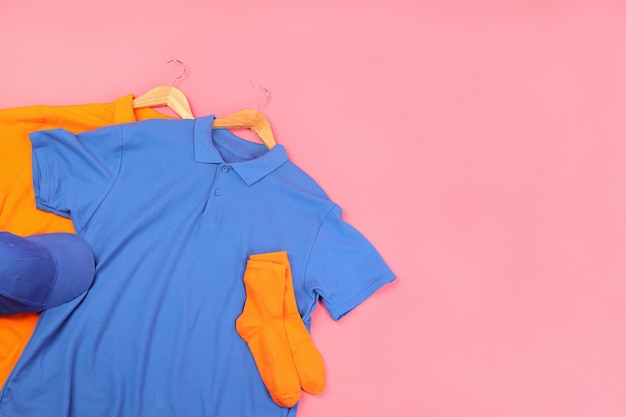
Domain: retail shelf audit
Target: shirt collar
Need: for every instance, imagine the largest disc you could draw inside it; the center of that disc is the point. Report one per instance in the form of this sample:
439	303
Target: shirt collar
123	111
255	160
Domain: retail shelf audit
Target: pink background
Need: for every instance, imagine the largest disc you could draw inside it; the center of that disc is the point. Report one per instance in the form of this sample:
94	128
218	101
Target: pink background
480	145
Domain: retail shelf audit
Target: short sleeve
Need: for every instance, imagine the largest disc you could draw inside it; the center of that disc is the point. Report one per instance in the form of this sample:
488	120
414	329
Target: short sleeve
344	268
73	173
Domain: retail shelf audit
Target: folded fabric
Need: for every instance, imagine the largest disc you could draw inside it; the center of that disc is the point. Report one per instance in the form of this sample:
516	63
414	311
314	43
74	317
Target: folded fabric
42	271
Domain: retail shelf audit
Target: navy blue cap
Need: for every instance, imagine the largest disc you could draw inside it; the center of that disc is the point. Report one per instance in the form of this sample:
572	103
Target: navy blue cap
43	271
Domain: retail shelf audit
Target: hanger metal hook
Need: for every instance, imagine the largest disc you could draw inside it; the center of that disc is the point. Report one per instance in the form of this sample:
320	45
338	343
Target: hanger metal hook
181	75
267	96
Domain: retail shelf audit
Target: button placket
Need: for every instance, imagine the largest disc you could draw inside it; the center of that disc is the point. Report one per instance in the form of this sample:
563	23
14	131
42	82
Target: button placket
218	190
211	210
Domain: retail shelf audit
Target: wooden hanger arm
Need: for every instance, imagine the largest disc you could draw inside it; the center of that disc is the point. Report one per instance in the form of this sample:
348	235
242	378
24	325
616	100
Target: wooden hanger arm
168	96
243	118
251	119
179	103
264	131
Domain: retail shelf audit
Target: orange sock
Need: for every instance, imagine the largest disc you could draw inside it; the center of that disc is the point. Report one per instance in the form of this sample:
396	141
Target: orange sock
307	359
261	326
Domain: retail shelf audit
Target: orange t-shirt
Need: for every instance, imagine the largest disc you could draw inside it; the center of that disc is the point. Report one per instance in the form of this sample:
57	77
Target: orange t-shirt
18	213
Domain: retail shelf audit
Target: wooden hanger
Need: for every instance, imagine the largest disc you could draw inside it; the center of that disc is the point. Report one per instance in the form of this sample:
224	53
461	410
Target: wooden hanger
251	119
169	96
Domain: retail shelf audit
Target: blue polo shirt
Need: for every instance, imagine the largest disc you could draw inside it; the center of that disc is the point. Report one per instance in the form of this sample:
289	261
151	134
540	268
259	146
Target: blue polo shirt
172	210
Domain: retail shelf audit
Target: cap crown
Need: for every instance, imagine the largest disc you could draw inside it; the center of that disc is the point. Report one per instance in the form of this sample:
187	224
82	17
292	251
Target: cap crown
23	264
